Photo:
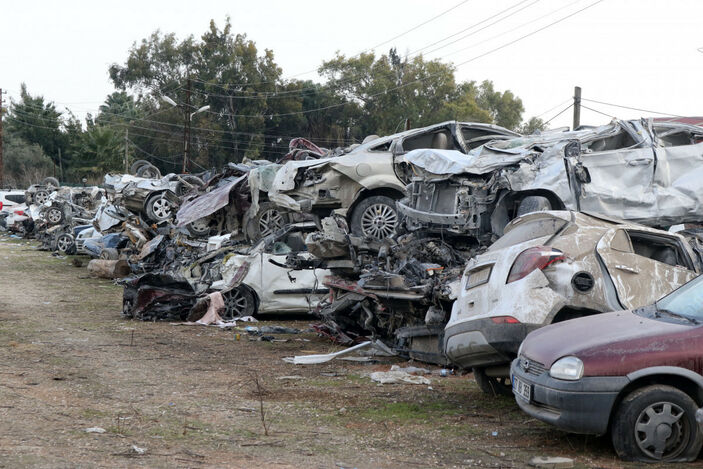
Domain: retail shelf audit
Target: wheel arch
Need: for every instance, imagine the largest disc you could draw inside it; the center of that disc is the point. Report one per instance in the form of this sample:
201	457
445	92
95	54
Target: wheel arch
366	193
504	212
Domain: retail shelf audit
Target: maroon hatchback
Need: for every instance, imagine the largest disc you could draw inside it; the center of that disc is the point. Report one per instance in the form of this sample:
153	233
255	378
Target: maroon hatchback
636	374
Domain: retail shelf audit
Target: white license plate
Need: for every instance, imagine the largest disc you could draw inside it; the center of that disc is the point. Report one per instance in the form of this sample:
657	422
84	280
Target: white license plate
521	388
478	276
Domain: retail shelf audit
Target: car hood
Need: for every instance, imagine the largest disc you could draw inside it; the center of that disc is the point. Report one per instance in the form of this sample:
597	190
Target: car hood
612	344
456	162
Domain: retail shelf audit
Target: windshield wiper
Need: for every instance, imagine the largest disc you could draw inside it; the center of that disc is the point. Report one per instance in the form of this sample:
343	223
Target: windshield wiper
672	314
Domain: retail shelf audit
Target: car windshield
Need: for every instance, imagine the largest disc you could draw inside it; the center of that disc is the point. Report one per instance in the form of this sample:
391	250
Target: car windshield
528	230
686	302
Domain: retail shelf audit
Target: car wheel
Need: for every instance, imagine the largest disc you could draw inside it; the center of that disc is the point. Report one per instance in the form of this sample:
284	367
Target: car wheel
149	171
267	220
199	228
375	217
136	165
51	182
158	208
657	423
54	216
533	203
110	254
65	244
183	189
239	302
40	197
495	386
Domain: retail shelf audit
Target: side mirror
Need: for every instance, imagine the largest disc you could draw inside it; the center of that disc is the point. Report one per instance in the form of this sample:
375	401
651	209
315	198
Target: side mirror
572	149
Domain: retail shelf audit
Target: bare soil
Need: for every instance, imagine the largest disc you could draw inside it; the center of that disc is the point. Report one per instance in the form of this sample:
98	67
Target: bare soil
187	396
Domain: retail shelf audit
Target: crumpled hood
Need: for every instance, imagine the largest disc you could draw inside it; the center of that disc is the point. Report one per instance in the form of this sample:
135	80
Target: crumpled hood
612	344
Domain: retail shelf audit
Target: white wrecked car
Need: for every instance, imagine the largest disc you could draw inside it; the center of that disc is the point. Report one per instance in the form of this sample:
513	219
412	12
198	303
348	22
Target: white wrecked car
257	281
554	266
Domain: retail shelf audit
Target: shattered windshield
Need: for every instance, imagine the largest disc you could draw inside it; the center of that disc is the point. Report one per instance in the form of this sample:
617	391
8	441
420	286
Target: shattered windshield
528	230
686	302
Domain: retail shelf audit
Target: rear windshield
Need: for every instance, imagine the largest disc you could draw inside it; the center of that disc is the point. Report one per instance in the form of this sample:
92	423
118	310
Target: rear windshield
528	230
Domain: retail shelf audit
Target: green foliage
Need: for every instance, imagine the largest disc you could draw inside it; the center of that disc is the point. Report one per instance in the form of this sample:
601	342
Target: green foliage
24	163
101	151
532	126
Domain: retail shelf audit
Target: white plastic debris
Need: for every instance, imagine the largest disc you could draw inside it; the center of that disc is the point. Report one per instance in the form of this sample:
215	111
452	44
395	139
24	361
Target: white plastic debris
323	358
95	430
551	462
138	450
397	377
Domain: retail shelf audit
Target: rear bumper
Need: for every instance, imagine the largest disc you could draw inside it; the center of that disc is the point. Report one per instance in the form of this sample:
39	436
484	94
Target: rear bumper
582	406
482	343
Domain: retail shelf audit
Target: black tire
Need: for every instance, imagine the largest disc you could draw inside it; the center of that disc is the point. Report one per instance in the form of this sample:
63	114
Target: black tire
183	189
54	216
267	220
51	181
110	254
40	197
533	203
136	165
199	228
239	301
375	217
65	244
158	208
492	385
658	409
149	171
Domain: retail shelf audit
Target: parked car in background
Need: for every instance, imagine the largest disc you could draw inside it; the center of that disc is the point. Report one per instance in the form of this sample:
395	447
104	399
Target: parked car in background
636	374
364	184
550	267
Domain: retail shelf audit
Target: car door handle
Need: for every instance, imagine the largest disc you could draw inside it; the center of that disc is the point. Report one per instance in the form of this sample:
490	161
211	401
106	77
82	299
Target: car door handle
626	268
640	162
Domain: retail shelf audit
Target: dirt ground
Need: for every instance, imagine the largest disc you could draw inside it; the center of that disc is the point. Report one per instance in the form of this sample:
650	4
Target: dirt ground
186	396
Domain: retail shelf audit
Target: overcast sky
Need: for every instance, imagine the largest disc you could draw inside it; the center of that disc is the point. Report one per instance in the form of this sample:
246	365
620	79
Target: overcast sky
638	53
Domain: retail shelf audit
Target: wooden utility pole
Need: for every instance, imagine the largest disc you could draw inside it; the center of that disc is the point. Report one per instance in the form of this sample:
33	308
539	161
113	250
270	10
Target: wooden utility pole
2	166
186	129
126	149
577	107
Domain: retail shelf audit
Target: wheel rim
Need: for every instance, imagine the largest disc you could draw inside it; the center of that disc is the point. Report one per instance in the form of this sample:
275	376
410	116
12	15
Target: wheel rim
161	208
379	221
64	243
40	197
54	215
200	226
269	221
661	432
235	304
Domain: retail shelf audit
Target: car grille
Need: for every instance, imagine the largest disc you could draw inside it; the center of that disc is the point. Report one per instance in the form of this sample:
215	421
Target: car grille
534	368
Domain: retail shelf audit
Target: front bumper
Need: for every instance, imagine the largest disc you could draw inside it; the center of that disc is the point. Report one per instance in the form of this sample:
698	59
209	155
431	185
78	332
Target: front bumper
483	343
582	406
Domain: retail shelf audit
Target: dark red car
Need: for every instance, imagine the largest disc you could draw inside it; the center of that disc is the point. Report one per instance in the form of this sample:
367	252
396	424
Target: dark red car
636	374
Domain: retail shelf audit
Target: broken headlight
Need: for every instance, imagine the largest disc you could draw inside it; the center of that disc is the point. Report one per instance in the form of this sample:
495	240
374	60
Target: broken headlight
568	368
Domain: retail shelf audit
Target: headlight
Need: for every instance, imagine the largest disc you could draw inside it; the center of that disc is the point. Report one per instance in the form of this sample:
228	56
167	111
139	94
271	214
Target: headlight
569	368
519	350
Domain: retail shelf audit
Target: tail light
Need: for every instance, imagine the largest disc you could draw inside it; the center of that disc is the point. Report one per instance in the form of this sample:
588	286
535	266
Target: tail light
19	212
505	320
0	205
538	257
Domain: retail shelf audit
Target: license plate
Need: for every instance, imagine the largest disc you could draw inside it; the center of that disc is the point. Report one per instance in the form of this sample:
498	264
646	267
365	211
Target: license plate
478	276
521	388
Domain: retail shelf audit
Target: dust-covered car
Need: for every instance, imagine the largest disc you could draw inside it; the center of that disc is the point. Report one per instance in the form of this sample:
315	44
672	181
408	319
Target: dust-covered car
9	199
638	170
553	266
364	184
635	374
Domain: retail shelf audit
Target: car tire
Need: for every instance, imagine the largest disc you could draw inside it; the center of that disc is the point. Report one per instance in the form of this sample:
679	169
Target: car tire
158	208
65	244
375	217
491	385
149	171
533	203
136	165
54	216
269	219
199	228
40	197
51	181
657	423
239	301
183	189
110	254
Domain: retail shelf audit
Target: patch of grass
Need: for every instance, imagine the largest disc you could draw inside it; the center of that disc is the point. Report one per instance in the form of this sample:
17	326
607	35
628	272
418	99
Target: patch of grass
408	411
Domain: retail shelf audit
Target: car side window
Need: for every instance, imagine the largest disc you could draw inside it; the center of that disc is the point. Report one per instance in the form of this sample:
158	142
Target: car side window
17	198
618	141
667	137
440	140
659	248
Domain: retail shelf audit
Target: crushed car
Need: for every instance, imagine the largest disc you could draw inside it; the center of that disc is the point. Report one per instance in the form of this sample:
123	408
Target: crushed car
635	374
554	266
363	184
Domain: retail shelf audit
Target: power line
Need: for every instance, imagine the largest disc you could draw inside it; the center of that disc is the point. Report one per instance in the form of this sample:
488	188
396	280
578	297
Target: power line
595	110
559	113
553	108
630	107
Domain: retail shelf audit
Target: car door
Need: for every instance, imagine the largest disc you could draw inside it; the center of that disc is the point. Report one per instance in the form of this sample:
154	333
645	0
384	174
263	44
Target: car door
678	174
646	270
616	173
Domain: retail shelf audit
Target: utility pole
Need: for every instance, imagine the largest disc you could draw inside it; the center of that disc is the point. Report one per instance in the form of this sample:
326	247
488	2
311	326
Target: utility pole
126	149
2	172
577	107
186	129
60	166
